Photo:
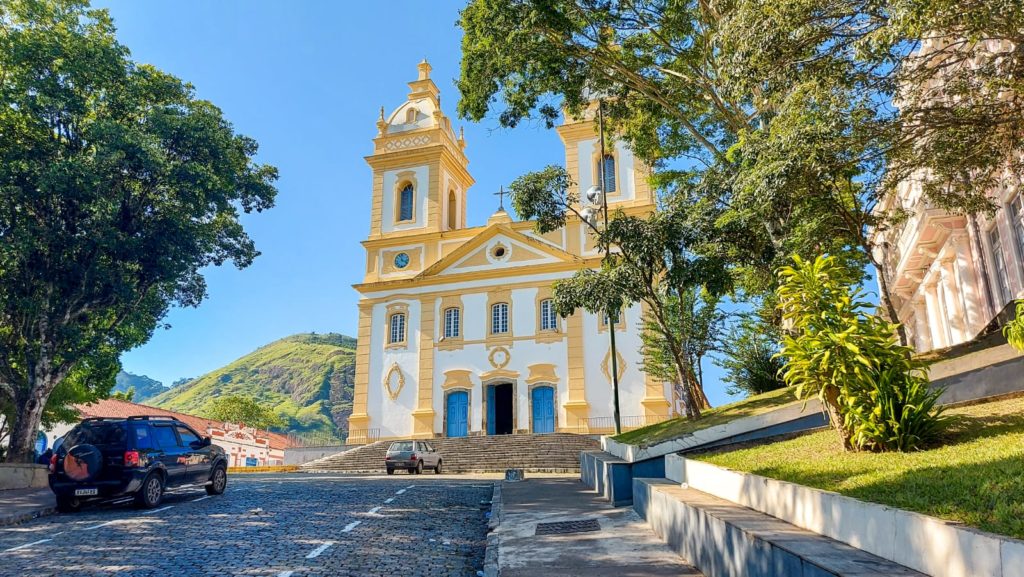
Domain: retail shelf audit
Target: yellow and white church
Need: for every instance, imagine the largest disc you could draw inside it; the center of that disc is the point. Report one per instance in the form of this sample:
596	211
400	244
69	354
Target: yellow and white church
457	333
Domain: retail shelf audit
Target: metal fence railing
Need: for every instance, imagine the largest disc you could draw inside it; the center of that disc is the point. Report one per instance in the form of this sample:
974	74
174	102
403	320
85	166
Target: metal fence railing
314	440
362	436
606	425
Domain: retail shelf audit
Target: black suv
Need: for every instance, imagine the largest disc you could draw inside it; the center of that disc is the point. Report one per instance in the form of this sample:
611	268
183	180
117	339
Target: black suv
140	456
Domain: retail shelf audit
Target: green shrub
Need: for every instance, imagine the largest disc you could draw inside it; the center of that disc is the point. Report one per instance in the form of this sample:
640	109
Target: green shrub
1014	330
751	361
875	392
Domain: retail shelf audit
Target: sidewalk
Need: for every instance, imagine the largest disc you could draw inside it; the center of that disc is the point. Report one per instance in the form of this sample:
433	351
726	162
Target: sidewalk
19	505
623	547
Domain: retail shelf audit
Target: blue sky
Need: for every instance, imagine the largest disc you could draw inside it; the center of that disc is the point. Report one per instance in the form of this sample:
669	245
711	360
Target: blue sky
307	80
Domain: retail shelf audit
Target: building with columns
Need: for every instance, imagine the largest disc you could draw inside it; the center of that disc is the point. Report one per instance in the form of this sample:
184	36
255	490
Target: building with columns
457	331
951	275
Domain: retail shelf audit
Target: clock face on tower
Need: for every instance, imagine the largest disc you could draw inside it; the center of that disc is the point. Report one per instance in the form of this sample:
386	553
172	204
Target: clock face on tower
401	260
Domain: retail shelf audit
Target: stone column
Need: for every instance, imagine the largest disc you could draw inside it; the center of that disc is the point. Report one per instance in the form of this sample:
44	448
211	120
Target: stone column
972	297
423	416
576	407
657	407
359	421
922	328
934	305
952	303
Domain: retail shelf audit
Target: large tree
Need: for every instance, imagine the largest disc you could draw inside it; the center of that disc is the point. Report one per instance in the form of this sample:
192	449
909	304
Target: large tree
793	119
117	186
649	259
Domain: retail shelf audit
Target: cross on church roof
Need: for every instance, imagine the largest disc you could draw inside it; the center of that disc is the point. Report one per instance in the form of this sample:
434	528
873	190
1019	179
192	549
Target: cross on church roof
501	198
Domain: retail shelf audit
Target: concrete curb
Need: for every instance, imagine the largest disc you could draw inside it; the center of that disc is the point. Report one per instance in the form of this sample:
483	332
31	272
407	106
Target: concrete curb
15	519
492	559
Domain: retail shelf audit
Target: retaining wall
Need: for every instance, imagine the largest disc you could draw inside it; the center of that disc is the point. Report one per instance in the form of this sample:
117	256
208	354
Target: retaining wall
924	543
23	476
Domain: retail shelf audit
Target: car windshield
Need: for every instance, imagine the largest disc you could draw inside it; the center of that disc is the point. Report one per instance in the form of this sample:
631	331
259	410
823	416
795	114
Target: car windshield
99	434
402	446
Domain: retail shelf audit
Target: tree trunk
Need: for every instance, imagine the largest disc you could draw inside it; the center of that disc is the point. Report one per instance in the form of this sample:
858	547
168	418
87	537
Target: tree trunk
835	418
885	296
28	415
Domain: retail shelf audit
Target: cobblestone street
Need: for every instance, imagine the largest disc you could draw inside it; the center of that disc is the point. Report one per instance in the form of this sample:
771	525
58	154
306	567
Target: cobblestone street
292	525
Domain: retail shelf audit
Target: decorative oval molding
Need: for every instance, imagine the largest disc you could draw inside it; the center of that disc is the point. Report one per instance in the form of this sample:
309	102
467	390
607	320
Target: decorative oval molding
499	357
393	390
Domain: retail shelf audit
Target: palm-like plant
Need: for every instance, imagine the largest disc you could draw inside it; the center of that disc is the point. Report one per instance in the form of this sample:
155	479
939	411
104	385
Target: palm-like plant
875	392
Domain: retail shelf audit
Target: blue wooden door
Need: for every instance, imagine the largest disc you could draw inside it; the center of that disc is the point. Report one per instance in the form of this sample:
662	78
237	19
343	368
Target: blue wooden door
543	410
490	410
457	412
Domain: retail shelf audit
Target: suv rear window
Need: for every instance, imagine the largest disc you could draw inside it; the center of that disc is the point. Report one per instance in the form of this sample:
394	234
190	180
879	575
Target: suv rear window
401	446
98	433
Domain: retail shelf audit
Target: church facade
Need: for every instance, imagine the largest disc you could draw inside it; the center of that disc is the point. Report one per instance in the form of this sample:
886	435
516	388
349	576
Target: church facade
457	331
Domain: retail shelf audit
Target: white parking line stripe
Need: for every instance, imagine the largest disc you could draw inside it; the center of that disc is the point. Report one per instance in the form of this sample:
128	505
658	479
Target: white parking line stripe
201	498
285	574
164	509
101	525
400	491
351	526
410	486
374	510
316	552
389	499
27	545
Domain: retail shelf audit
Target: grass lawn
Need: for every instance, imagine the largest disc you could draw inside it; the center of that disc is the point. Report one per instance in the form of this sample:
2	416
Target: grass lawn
675	427
976	477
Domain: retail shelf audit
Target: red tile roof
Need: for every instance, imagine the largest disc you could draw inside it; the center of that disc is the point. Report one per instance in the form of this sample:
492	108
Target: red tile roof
118	408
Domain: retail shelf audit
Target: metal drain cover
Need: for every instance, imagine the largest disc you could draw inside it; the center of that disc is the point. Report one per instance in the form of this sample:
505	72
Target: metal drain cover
560	527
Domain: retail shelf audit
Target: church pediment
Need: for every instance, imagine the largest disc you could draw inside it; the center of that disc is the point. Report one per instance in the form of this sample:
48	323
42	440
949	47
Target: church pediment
498	246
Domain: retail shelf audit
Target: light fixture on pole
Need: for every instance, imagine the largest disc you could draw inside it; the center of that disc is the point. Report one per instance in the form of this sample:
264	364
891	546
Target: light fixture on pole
592	196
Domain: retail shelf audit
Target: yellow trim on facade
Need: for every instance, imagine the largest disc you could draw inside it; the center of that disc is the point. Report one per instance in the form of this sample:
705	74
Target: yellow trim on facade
542	373
423	416
456	378
576	406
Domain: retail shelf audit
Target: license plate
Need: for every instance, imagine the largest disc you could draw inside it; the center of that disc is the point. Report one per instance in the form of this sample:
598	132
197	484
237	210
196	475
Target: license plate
86	492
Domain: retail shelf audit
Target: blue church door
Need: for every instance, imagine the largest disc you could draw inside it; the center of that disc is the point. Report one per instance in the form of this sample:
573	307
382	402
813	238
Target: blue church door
457	413
543	410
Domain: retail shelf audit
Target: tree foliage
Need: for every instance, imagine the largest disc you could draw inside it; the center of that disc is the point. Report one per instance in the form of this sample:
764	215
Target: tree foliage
240	409
117	186
792	122
752	360
652	258
876	394
698	324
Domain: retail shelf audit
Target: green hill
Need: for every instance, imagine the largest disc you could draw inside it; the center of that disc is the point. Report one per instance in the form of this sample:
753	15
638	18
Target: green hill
307	379
145	387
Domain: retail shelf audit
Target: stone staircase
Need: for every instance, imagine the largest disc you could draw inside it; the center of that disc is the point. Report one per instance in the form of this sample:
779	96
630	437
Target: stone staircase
555	452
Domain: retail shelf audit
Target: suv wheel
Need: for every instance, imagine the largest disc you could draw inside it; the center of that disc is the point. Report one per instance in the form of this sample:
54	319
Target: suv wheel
437	469
67	504
391	471
151	493
419	467
218	481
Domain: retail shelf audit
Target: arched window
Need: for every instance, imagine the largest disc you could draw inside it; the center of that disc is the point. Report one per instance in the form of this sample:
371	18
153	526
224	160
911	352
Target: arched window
405	199
451	210
499	318
548	318
410	116
608	166
451	323
396	329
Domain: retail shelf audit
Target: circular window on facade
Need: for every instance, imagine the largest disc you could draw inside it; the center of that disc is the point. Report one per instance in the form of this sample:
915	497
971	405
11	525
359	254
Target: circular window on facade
499	252
401	260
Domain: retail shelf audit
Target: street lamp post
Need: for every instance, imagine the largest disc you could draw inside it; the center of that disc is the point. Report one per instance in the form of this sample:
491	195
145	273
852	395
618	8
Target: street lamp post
607	251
